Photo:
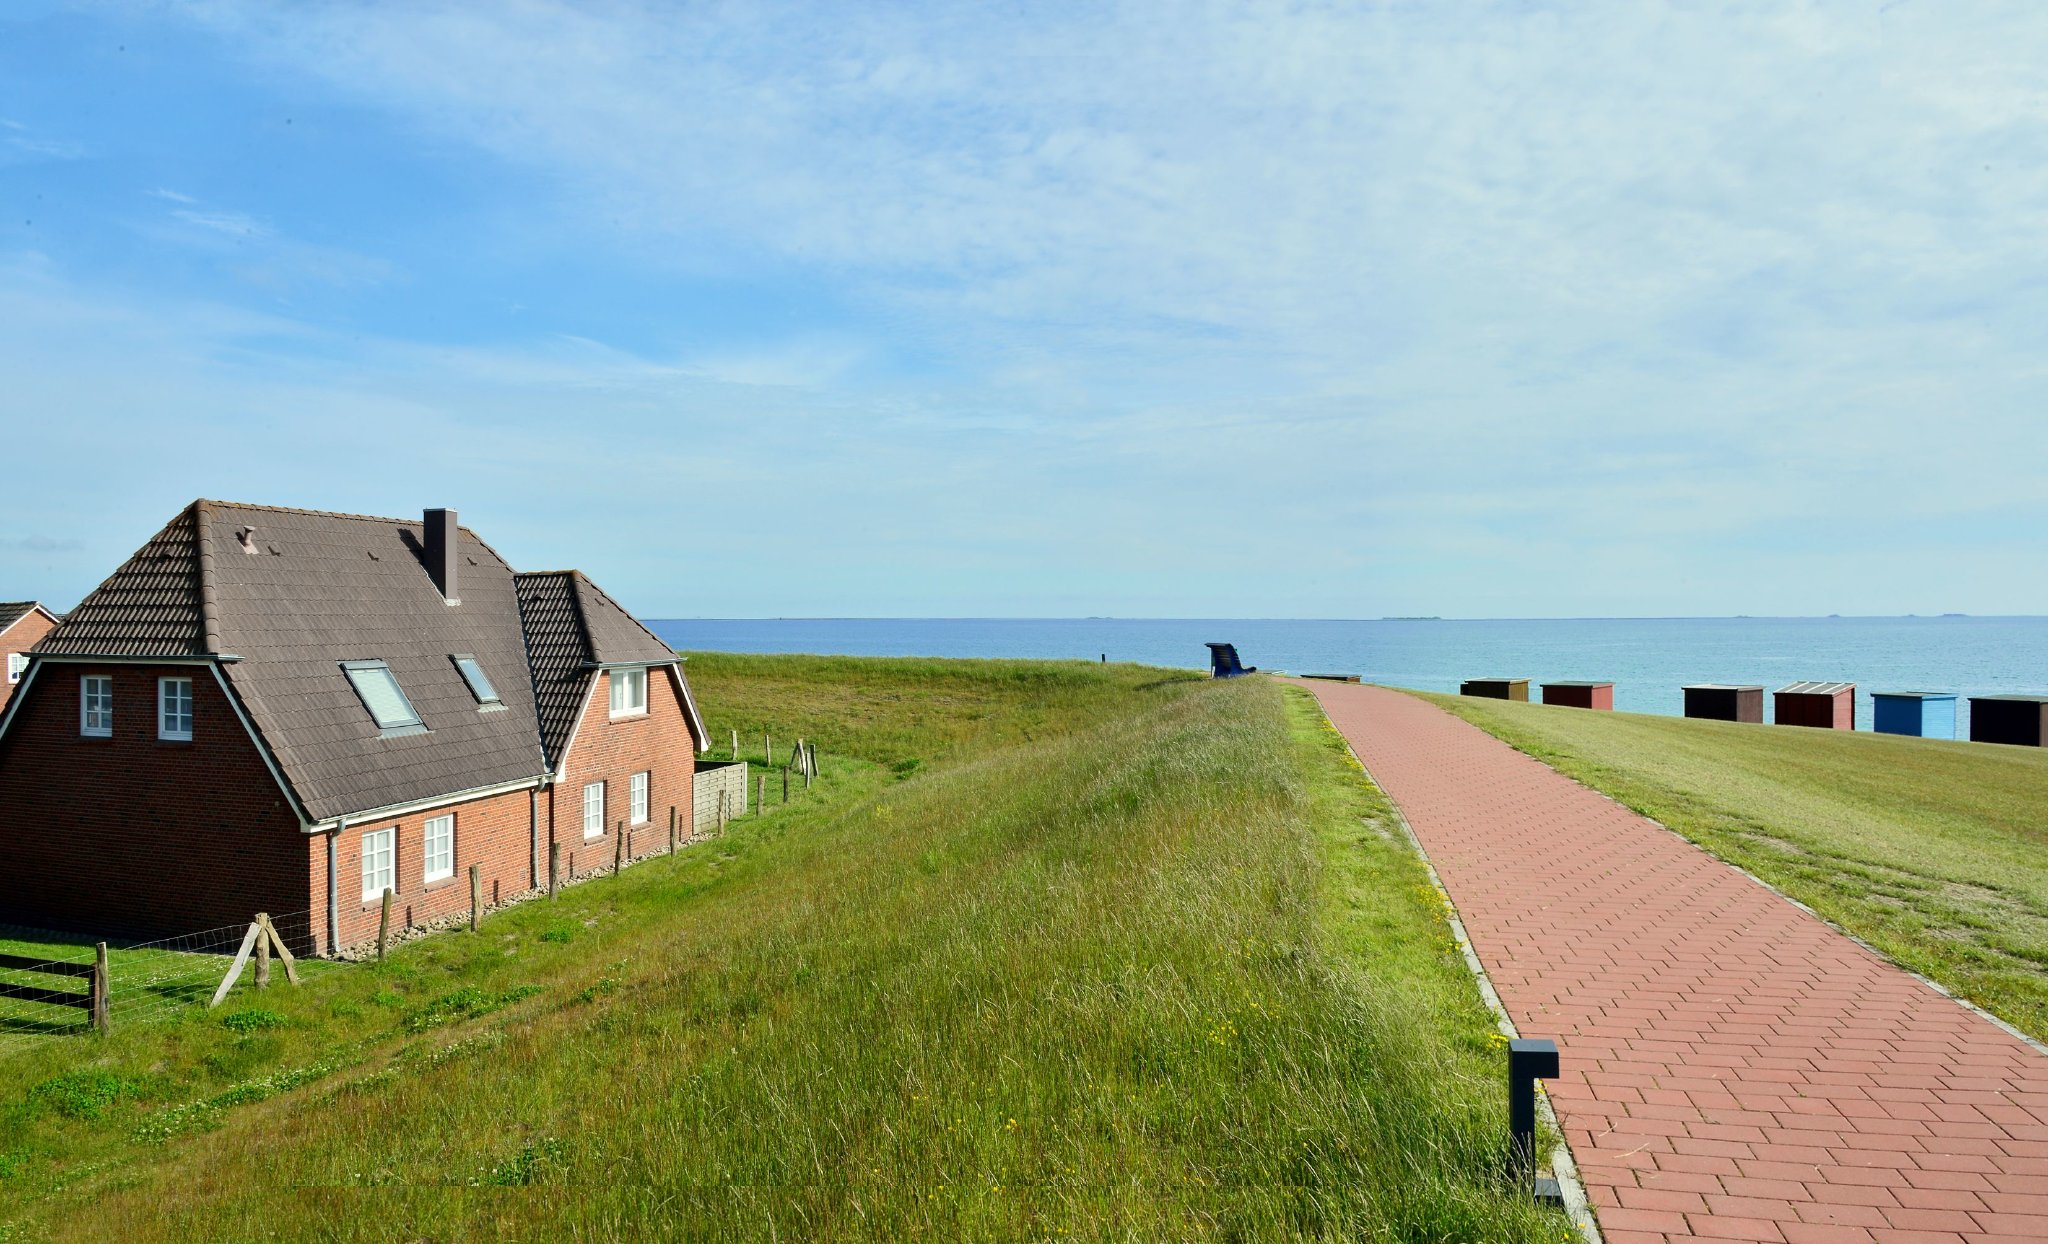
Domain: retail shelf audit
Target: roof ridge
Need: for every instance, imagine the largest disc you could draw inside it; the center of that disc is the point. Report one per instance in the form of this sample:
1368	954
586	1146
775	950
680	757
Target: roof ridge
209	611
293	509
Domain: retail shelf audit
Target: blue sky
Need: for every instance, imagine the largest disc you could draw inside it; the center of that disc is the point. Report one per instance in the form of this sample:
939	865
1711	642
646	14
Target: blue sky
1479	309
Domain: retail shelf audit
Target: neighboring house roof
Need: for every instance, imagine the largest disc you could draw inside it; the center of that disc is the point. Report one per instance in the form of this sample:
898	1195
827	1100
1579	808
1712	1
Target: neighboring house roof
309	590
13	611
558	646
572	628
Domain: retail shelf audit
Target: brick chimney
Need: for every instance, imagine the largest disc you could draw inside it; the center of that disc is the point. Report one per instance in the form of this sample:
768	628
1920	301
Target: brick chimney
444	553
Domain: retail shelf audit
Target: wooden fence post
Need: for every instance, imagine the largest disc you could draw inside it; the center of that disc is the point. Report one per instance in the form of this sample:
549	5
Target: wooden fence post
476	896
554	866
262	953
785	785
735	744
102	990
291	966
672	827
767	748
760	794
619	848
384	924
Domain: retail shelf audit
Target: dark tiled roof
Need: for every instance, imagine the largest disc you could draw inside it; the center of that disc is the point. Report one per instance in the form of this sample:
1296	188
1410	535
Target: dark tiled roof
558	652
12	611
319	589
615	635
151	606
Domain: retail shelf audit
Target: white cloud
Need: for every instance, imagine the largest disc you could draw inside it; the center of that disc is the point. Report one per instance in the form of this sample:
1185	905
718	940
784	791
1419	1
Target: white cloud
233	224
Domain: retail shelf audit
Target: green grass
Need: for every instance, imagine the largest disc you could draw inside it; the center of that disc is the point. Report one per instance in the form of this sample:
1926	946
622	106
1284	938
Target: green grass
1124	956
1935	852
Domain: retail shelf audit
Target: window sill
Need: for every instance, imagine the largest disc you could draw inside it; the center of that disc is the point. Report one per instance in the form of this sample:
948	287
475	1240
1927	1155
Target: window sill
437	883
638	714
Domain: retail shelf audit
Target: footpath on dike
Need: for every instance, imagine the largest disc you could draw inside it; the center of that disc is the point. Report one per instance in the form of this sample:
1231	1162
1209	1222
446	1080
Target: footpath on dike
1733	1068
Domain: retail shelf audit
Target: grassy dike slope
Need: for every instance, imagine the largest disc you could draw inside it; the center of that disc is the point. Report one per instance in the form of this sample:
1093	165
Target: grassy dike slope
1935	852
1124	956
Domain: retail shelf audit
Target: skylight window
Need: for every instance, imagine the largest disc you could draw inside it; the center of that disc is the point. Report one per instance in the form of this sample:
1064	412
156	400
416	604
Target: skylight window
380	693
473	674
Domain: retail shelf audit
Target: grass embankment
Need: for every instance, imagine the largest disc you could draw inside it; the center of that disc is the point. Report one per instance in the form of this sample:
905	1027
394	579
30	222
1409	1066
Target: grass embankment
1123	956
1935	852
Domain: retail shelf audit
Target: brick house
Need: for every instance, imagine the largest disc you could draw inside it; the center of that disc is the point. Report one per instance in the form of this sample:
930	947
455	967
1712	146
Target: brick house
292	711
23	623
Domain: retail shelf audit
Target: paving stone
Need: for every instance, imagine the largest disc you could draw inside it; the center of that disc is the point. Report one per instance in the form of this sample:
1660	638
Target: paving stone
1708	1027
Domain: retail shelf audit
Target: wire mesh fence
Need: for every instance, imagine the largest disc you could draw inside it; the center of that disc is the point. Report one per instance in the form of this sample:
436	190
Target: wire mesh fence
147	981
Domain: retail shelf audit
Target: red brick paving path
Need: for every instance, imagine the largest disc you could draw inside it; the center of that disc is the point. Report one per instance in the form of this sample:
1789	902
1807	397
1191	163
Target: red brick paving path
1733	1068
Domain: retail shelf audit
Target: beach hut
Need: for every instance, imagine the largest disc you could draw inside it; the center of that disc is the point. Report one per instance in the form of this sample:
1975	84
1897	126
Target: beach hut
1922	714
1580	694
1825	705
1713	701
2017	719
1496	688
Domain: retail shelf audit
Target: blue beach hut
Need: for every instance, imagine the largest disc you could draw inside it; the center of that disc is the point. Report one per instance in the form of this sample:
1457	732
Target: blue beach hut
1923	714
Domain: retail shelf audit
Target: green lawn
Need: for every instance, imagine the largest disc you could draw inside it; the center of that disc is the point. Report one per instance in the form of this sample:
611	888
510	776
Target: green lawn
1935	852
1123	955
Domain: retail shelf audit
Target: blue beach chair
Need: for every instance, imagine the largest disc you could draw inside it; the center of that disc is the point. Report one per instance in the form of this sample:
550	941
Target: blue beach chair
1223	662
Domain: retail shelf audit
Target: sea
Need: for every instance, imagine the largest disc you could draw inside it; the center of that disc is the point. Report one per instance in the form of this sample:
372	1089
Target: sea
1647	659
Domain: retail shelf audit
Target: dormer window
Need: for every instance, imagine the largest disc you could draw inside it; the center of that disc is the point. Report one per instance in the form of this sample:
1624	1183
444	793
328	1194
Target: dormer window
479	685
380	693
629	692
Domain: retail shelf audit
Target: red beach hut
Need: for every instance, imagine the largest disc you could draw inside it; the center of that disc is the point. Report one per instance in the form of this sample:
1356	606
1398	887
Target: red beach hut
1826	705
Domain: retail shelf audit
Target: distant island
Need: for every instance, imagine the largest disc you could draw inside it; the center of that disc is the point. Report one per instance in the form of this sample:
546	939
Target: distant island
1430	618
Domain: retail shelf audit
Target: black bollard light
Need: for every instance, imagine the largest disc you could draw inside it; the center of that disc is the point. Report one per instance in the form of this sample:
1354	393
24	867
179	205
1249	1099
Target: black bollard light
1529	1061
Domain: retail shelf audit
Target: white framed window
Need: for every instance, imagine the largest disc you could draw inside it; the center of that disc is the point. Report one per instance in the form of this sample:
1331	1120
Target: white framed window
174	709
16	663
629	692
639	793
439	850
96	705
380	863
593	810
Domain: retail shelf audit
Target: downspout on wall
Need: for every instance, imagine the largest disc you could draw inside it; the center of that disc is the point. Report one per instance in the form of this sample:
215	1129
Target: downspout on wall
533	836
333	905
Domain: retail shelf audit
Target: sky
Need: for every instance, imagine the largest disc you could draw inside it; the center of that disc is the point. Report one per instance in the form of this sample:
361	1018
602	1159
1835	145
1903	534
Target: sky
1473	309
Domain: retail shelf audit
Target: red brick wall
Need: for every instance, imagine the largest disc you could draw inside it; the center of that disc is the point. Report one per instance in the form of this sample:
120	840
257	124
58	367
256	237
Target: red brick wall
20	637
131	836
135	837
611	750
493	833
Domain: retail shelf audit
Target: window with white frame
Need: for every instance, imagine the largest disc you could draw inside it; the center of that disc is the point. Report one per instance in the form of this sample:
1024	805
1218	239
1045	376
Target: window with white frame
639	792
96	705
380	863
593	810
16	663
174	709
629	692
439	852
